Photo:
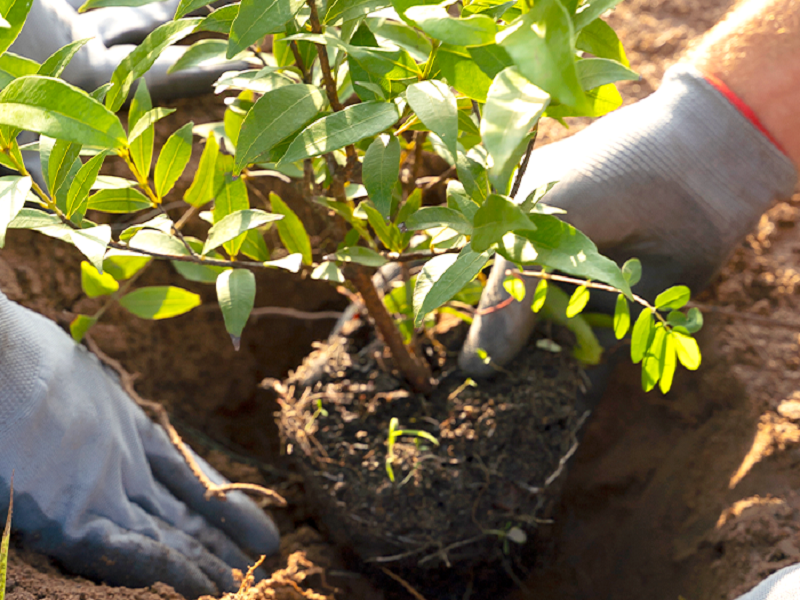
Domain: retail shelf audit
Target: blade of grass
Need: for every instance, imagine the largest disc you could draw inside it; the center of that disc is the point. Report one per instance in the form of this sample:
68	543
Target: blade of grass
4	542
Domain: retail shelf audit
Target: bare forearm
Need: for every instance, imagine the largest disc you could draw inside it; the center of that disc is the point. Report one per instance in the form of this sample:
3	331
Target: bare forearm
755	51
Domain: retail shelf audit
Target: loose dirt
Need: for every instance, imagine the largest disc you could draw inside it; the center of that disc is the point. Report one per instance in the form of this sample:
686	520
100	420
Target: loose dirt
692	494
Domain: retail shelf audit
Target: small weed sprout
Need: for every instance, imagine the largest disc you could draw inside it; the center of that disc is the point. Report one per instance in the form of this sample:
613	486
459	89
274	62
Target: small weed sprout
394	434
320	412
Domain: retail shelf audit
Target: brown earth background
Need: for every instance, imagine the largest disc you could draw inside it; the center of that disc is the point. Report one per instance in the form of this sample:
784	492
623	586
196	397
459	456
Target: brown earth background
693	494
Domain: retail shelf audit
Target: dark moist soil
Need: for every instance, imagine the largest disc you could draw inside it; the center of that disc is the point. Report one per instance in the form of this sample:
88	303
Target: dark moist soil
502	447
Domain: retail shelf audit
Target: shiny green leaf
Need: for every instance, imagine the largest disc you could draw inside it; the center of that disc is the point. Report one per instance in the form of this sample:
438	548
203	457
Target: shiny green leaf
14	12
142	146
360	255
258	18
236	293
173	159
513	107
496	217
577	301
205	53
202	189
539	296
641	336
335	131
654	359
515	287
118	201
622	317
275	117
160	302
439	216
595	72
475	30
673	298
632	271
80	325
233	225
291	230
139	61
670	362
688	351
443	276
381	169
56	109
78	193
94	283
123	264
599	39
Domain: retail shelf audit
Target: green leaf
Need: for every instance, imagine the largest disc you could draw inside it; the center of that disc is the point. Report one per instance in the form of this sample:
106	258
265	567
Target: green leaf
457	67
56	109
335	131
254	246
458	199
594	72
558	245
123	264
291	230
588	350
443	276
653	364
673	298
90	4
96	284
577	301
13	66
141	147
139	61
669	364
381	170
187	6
515	287
328	271
160	223
258	18
403	36
473	177
160	302
589	11
274	117
221	20
688	351
346	10
13	191
80	325
694	321
641	336
622	317
236	293
436	107
360	255
173	159
230	195
62	193
111	182
145	121
388	233
439	216
513	107
539	296
476	30
205	53
632	271
546	32
57	158
256	80
118	201
235	114
14	12
158	242
491	59
233	225
202	189
79	188
599	38
496	217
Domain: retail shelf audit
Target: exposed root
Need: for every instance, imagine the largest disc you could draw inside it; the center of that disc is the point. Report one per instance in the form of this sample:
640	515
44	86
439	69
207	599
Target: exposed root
284	583
159	414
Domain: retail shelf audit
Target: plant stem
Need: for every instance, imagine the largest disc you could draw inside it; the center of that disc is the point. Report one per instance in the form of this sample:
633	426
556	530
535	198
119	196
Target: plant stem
414	369
524	166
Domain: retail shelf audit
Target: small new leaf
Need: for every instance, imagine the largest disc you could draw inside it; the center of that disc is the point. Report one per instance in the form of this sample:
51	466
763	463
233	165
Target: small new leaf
577	301
673	298
622	317
539	296
515	287
642	332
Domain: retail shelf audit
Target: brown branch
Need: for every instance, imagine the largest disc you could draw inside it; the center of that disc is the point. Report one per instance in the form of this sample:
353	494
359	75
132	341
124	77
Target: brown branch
322	52
524	166
413	368
299	60
159	414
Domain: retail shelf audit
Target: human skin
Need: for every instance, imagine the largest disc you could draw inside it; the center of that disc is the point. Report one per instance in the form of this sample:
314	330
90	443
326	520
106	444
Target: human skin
755	51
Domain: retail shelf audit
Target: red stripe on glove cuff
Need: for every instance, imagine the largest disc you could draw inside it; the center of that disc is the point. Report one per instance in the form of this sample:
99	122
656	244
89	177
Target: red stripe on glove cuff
743	108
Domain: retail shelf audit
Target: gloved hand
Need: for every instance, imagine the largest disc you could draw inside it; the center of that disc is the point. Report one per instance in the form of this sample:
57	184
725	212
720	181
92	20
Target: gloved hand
781	585
52	24
676	180
97	485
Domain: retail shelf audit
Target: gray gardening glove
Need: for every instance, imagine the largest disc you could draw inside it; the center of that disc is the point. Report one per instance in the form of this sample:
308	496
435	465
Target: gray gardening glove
97	485
52	24
781	585
676	180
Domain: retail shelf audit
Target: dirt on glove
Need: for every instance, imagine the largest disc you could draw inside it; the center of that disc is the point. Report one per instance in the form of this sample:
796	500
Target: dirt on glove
692	494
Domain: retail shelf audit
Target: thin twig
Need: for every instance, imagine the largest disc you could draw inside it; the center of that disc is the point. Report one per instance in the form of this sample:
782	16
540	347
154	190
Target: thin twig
293	313
524	166
299	60
409	588
159	413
